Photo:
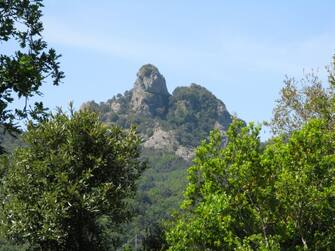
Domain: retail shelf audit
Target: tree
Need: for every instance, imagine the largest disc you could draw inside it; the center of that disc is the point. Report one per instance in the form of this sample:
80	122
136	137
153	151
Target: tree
303	100
30	65
224	203
73	171
304	186
249	197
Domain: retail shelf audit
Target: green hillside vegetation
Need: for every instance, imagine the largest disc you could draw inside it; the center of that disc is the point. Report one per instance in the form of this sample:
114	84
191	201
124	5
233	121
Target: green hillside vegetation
158	196
190	114
193	113
275	196
72	172
245	197
150	170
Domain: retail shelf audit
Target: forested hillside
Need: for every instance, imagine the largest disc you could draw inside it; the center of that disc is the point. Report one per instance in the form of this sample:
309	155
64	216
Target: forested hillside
171	126
227	191
183	118
153	169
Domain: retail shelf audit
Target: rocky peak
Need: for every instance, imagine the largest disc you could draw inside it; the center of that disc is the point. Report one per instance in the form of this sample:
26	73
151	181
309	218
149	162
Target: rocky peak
150	94
150	80
174	123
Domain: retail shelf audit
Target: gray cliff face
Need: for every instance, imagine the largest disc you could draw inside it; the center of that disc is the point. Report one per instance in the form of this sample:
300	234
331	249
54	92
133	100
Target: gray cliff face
150	80
150	94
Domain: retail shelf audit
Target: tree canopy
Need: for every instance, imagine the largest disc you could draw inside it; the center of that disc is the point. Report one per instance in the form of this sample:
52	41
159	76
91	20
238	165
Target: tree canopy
248	197
303	100
72	171
32	63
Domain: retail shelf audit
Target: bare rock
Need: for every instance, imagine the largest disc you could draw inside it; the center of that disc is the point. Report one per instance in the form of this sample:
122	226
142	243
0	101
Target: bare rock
150	94
150	80
166	140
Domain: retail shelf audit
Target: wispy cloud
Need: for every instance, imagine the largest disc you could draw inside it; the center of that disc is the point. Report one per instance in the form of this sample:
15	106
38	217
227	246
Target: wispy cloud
129	47
227	53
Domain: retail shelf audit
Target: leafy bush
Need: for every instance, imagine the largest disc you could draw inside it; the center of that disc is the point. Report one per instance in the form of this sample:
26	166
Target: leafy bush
72	171
250	197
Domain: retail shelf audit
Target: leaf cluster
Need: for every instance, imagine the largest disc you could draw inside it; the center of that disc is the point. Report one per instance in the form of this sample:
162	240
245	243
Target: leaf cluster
249	197
303	100
72	171
24	71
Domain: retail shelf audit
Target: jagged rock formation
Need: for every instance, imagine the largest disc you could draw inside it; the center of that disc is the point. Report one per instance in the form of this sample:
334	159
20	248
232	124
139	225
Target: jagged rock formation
174	123
171	125
150	94
150	80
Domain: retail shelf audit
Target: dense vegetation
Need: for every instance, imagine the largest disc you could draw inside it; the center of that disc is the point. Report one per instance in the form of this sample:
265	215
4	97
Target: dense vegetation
158	196
246	197
74	182
192	112
277	196
72	171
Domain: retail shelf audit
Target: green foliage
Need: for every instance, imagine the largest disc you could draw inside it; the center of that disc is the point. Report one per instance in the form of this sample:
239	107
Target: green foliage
7	246
217	211
304	187
160	188
303	100
73	171
247	197
158	196
23	72
193	113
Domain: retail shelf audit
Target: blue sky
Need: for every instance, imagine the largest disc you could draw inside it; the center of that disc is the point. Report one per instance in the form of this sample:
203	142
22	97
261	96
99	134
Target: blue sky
239	50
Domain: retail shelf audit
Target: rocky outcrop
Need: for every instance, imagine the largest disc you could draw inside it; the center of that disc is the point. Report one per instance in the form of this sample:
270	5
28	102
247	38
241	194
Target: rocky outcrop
161	139
150	80
166	140
150	94
91	105
173	123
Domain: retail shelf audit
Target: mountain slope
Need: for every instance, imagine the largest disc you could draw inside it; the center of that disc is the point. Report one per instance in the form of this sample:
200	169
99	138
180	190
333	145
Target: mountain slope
176	122
171	126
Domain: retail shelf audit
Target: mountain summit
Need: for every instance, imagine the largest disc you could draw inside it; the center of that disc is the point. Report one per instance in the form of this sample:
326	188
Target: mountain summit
171	126
150	80
174	122
150	94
